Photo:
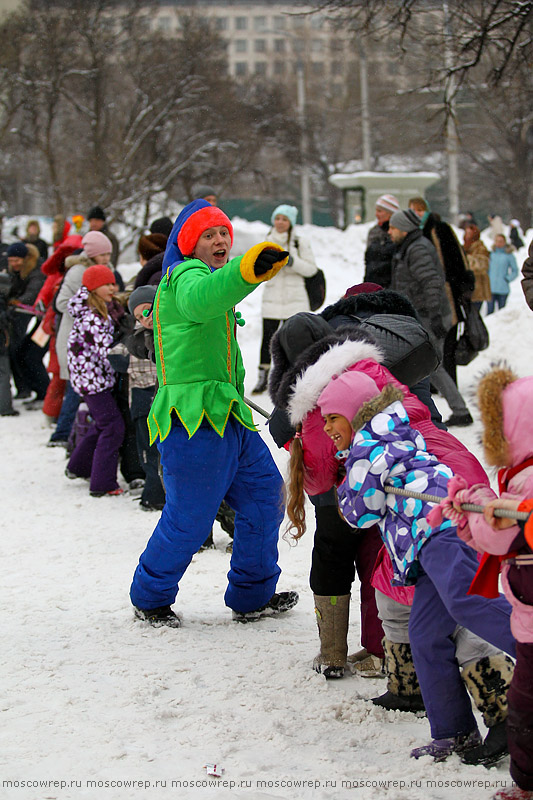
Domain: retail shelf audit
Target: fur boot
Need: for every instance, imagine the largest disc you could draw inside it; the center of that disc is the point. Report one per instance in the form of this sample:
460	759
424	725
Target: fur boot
488	680
332	616
403	691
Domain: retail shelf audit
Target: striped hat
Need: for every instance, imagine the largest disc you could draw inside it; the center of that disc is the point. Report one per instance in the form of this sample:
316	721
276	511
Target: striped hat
388	202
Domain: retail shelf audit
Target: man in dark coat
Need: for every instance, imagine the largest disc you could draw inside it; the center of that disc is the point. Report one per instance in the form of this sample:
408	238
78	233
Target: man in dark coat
417	274
379	248
460	280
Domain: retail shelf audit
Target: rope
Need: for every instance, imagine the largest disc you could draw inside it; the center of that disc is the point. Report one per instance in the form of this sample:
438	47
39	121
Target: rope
431	498
256	407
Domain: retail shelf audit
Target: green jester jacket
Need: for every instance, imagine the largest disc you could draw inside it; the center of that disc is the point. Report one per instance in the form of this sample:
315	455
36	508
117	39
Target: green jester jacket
199	363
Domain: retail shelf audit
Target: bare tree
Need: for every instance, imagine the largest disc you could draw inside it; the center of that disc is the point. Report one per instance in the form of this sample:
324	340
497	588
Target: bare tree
117	113
494	33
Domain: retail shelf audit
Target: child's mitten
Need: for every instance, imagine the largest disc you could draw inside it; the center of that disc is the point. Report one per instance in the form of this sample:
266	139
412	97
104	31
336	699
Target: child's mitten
447	508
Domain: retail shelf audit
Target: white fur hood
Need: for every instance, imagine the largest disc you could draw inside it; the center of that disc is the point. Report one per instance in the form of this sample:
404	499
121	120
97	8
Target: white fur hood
337	359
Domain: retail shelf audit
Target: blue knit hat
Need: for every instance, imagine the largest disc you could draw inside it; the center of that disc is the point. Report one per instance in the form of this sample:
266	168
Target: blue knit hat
17	250
291	212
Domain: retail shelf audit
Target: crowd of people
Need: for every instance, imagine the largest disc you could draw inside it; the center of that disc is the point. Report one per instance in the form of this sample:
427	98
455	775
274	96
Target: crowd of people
131	385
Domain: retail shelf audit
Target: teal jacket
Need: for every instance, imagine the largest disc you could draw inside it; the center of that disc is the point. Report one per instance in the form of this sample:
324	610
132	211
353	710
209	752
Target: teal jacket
502	270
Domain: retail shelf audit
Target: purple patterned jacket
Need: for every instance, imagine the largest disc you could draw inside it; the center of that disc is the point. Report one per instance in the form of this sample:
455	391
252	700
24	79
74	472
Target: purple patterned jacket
89	342
387	450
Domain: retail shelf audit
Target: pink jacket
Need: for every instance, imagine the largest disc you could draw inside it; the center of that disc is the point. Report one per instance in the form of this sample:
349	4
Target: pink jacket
320	464
516	406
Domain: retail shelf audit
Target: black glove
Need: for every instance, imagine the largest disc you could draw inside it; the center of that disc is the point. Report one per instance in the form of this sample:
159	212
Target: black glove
438	329
267	258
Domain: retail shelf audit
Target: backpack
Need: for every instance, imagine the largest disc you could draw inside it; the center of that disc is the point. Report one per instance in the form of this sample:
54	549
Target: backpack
409	353
315	285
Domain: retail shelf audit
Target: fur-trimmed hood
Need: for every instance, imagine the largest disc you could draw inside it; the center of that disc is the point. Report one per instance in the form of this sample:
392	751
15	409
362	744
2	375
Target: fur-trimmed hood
78	258
505	403
386	301
331	356
380	402
289	343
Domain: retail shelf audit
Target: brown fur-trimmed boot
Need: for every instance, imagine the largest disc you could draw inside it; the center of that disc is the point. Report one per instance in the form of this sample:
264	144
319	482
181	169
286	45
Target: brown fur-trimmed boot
332	616
488	680
403	691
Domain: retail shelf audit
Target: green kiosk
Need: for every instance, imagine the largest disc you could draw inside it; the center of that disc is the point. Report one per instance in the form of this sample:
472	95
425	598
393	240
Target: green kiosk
362	189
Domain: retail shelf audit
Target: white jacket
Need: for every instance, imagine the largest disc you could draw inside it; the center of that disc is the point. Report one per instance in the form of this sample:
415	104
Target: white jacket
285	294
76	266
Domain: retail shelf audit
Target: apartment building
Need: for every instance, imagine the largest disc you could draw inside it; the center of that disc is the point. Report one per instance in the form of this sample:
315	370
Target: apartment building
269	40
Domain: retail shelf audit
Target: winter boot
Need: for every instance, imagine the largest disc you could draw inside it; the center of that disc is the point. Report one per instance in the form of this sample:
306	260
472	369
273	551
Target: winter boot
226	518
332	616
440	749
403	691
365	665
158	617
208	544
277	604
262	380
488	680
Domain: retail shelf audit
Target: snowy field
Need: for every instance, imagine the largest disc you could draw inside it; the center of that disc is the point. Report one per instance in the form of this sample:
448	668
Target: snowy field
97	705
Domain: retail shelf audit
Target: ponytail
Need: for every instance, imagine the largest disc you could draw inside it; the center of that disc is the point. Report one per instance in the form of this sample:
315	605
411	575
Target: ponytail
296	496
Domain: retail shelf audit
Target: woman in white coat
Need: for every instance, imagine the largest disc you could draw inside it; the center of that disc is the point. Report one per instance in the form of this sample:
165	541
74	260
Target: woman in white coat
285	294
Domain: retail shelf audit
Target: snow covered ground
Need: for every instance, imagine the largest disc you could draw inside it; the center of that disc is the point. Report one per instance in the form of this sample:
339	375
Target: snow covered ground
97	705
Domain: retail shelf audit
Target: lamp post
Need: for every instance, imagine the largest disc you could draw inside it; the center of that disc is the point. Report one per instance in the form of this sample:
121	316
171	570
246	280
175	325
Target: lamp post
452	145
365	111
305	182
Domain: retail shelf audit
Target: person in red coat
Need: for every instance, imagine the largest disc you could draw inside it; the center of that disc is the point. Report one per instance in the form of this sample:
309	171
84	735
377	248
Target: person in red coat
54	269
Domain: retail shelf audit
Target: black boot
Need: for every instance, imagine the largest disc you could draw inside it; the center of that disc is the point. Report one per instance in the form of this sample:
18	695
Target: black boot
278	603
226	518
399	702
493	748
262	381
488	680
208	544
403	691
158	617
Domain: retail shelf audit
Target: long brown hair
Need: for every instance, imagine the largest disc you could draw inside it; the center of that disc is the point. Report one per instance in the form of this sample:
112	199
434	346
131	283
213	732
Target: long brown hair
295	493
96	302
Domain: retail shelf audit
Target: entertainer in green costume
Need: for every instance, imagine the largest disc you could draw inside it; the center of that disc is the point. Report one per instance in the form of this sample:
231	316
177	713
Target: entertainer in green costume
210	449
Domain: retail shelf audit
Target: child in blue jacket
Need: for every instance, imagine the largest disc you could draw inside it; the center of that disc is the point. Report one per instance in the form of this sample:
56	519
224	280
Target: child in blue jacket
502	270
372	433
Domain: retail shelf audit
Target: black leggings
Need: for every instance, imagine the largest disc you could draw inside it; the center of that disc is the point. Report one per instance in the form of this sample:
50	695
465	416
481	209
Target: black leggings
270	327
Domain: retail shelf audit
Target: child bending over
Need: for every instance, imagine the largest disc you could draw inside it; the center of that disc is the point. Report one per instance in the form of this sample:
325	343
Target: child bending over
372	433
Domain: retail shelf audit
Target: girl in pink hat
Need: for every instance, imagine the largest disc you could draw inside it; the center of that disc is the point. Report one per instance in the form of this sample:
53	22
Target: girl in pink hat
371	432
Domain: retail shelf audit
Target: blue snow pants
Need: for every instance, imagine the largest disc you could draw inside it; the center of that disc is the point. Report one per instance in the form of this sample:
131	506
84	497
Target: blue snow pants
440	603
199	473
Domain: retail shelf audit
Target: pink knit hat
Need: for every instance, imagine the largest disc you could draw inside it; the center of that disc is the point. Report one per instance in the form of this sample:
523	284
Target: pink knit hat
388	202
346	393
96	243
